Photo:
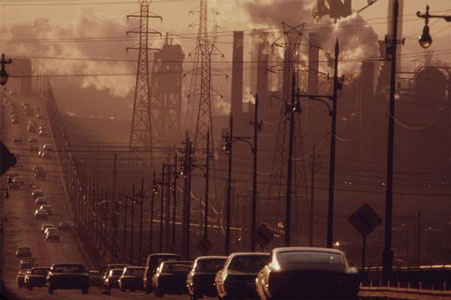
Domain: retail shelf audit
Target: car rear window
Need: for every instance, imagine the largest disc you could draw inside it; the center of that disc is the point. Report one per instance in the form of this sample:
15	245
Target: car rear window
40	271
209	265
174	267
289	257
69	269
248	263
135	272
116	272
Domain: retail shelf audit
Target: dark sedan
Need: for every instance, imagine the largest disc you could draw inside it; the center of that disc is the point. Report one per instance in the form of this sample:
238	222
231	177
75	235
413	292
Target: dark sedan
36	277
170	278
112	278
152	262
68	277
131	279
22	252
307	273
237	279
201	279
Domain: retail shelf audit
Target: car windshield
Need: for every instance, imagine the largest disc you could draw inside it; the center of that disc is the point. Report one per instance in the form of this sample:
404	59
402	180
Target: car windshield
135	272
290	257
117	272
209	265
176	267
39	271
248	263
69	269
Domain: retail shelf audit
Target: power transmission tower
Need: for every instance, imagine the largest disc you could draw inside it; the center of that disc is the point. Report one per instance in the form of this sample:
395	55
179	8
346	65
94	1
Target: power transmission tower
279	179
202	88
140	147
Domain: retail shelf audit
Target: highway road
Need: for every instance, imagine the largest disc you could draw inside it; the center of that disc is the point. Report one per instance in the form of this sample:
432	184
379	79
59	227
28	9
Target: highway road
22	229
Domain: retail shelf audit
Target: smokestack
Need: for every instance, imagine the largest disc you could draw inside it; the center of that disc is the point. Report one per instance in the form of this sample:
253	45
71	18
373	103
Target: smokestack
313	66
262	67
367	80
237	74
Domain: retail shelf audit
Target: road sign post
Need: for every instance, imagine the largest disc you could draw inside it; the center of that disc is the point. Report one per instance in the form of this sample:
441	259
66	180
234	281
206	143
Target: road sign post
365	220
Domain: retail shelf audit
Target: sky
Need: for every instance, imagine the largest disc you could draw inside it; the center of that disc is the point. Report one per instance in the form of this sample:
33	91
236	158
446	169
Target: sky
78	28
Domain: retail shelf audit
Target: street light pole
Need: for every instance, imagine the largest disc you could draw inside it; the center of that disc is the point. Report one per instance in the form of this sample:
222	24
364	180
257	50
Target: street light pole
162	206
152	201
207	179
174	210
132	229
257	127
387	255
229	187
141	221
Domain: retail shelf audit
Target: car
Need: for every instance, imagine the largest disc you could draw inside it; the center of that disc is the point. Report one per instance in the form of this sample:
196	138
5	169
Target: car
40	175
27	264
65	226
20	278
36	277
307	273
112	278
95	279
131	279
68	277
170	278
236	280
37	168
44	227
40	214
39	116
43	133
52	235
47	147
37	193
23	251
15	121
17	140
31	129
19	180
48	208
201	279
40	201
45	155
50	229
33	148
152	262
32	140
14	186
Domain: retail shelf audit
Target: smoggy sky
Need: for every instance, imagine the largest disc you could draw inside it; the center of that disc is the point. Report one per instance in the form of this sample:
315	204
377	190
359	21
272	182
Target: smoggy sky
71	19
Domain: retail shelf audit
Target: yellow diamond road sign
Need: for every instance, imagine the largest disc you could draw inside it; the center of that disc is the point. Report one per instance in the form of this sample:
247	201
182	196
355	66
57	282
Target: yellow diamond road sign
365	220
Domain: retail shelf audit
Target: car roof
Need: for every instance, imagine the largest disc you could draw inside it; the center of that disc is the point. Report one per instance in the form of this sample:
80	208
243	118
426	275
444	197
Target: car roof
309	249
249	254
210	257
183	262
164	254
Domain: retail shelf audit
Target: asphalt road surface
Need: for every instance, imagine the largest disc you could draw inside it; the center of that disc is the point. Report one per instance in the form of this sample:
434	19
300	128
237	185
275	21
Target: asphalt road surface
22	229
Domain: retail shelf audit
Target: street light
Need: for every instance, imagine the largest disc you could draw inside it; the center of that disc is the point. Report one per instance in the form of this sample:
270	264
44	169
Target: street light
425	39
3	74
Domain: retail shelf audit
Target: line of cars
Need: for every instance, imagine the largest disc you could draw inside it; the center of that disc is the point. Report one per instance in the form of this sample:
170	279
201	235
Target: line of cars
285	273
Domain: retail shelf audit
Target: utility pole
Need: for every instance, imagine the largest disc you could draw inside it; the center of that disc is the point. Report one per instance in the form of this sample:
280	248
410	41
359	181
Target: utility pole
387	255
313	168
115	213
338	84
187	165
168	206
257	127
229	187
290	165
152	201
207	179
132	235
141	222
162	206
330	207
174	210
125	225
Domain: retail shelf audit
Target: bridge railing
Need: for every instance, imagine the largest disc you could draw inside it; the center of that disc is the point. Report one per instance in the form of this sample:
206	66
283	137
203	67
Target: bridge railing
434	277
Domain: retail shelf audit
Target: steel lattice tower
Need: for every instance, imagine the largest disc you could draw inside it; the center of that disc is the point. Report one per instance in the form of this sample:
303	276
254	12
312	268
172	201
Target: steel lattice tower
278	180
204	50
140	147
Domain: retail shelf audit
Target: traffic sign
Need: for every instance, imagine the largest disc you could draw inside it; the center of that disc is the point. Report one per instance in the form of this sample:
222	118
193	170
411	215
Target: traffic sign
263	235
7	159
204	245
365	220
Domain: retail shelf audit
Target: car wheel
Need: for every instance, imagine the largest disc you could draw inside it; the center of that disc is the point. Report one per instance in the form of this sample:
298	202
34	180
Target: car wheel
158	293
50	290
84	291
